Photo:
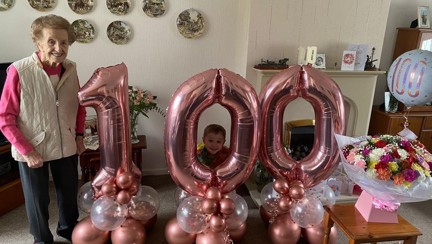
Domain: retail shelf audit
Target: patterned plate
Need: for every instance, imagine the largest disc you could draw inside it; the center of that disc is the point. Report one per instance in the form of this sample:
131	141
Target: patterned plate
42	5
84	31
190	23
6	4
81	6
119	32
154	8
118	7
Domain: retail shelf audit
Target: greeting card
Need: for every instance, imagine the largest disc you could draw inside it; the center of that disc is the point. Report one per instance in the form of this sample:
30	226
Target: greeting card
361	55
348	60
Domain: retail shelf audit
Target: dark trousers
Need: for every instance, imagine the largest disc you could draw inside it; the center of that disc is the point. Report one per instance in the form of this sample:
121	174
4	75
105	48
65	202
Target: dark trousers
35	183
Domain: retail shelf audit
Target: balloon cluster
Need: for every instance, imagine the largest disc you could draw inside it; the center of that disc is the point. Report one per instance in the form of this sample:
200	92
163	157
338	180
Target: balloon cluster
209	211
214	218
120	207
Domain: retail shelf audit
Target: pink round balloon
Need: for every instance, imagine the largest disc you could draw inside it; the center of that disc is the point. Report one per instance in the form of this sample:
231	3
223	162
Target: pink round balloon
186	105
238	233
107	92
123	197
210	237
324	95
284	231
217	223
227	206
209	206
131	231
174	234
315	235
86	233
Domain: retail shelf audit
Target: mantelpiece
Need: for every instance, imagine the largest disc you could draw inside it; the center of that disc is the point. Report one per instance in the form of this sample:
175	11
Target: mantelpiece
358	89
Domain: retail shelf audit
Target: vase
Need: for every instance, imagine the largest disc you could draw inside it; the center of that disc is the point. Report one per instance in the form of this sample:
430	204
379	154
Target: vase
134	129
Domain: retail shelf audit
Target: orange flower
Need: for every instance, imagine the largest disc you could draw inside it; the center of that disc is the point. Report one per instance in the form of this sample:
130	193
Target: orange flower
398	179
383	173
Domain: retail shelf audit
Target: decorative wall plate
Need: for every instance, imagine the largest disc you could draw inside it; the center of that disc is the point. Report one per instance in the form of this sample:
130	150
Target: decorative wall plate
154	8
42	5
119	32
81	6
190	23
84	31
118	7
6	4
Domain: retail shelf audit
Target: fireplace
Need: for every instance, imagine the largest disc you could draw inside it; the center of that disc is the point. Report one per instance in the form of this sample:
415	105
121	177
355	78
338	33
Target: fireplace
358	89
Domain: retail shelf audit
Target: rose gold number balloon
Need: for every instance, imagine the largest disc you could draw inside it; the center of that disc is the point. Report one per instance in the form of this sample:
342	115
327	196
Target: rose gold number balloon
107	92
186	105
324	95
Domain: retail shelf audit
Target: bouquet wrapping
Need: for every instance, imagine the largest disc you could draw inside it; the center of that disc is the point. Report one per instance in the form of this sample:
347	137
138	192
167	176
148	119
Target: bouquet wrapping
393	169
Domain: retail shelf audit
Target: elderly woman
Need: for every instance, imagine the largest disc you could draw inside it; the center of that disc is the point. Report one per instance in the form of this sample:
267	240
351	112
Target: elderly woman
41	117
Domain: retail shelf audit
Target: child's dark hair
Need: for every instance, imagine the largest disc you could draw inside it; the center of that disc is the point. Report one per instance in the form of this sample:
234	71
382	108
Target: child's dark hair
214	128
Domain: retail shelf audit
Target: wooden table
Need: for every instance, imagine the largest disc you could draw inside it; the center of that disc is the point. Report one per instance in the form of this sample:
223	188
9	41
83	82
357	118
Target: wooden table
90	159
358	230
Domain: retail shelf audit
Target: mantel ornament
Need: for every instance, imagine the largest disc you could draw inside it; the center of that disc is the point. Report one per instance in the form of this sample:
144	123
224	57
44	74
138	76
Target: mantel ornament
267	64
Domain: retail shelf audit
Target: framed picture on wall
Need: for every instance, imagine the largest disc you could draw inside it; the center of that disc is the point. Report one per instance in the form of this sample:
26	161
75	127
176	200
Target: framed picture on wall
423	17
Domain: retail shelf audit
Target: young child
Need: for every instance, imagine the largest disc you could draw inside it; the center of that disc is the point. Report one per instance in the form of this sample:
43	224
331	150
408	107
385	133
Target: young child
212	151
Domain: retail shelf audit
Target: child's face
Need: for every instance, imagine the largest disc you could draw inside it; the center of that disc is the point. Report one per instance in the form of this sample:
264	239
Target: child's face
214	142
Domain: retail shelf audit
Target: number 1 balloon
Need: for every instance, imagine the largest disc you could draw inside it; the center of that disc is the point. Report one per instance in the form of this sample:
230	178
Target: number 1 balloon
107	92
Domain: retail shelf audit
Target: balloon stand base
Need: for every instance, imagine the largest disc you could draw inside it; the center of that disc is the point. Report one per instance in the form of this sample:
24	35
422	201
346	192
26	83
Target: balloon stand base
372	214
134	140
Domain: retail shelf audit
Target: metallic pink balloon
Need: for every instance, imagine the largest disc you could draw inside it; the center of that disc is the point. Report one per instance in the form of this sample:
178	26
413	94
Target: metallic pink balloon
107	92
238	233
185	107
324	95
131	231
86	233
210	237
315	235
284	230
174	234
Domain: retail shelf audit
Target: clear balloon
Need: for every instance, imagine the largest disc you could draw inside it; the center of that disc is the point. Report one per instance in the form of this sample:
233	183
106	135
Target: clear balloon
106	214
409	78
324	193
326	98
86	197
201	91
307	212
190	216
239	216
145	204
180	195
269	197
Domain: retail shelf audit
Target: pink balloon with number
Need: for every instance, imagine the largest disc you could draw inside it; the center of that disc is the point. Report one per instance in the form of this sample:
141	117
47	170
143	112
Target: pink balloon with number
107	92
186	105
324	95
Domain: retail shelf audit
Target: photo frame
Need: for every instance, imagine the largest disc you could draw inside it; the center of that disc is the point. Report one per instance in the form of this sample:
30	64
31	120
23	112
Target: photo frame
423	17
320	61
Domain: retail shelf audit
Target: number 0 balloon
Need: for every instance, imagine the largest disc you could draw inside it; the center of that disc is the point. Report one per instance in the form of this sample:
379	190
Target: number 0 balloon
186	105
324	95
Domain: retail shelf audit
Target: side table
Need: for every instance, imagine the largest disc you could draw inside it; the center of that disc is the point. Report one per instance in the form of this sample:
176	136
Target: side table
358	230
90	159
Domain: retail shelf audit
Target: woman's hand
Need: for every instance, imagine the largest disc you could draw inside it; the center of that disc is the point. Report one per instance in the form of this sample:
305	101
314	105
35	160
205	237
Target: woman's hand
33	159
80	144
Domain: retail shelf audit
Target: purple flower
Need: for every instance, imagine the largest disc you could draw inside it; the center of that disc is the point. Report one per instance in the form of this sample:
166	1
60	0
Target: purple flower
386	158
366	152
410	175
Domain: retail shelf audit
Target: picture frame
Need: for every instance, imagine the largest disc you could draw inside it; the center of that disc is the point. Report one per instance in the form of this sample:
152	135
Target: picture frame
423	17
320	61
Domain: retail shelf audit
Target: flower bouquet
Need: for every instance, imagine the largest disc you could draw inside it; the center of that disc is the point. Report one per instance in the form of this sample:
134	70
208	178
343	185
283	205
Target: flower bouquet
140	102
392	169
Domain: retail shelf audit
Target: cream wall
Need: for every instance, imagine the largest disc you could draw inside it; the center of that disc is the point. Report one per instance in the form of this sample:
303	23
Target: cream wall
239	33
